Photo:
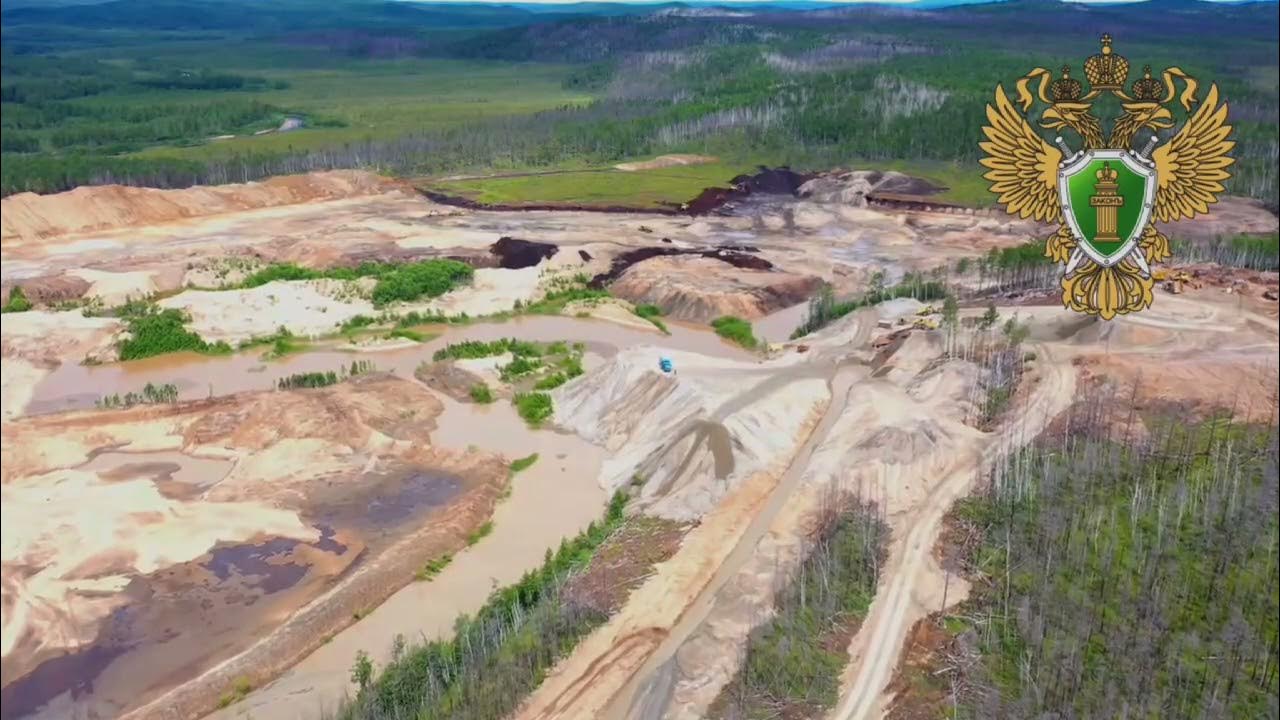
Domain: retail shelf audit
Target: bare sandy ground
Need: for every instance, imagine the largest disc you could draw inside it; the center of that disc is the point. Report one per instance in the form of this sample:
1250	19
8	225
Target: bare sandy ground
664	161
304	472
742	445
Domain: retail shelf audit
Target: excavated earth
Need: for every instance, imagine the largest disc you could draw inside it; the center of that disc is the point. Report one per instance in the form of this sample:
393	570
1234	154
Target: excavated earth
146	546
228	538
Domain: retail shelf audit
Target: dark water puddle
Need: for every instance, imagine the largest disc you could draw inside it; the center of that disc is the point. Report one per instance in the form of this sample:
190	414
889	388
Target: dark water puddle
418	491
73	672
256	561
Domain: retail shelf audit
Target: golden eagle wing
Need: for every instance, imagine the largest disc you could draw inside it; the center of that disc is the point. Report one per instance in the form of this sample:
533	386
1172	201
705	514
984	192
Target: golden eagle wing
1022	167
1190	167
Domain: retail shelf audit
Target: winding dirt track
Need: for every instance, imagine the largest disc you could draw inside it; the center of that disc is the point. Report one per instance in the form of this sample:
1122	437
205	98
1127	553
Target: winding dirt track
874	652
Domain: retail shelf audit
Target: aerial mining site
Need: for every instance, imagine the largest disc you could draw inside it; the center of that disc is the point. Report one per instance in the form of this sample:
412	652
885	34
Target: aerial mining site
233	465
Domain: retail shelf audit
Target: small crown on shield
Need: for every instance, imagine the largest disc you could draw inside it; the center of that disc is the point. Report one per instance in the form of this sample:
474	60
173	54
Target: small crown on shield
1106	70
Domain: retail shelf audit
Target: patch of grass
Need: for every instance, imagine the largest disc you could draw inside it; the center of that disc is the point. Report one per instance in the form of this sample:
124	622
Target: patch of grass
653	314
396	282
519	366
239	691
595	187
480	533
523	463
551	382
735	329
553	302
156	332
18	301
408	334
433	568
481	393
534	407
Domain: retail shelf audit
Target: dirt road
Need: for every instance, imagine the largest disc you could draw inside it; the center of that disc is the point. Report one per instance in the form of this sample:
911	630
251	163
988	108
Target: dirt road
899	602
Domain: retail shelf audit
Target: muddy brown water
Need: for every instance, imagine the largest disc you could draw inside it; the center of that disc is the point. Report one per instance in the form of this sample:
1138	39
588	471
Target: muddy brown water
74	386
176	622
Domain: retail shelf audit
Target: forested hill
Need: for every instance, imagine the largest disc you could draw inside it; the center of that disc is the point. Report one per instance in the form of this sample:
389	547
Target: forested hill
173	93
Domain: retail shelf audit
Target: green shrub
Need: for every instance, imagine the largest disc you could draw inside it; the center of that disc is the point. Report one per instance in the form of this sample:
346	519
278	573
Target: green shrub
156	332
736	330
534	407
434	567
648	311
18	301
480	533
523	463
519	367
429	278
551	382
481	393
407	334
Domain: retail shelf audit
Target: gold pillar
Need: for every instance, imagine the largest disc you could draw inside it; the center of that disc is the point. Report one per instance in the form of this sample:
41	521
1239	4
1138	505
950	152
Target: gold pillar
1105	203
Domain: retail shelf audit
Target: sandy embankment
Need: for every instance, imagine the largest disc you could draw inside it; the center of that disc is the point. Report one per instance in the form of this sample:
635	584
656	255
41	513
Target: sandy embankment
665	161
28	217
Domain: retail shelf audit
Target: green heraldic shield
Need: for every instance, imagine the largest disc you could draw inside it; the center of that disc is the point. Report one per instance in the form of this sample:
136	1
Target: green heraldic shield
1108	192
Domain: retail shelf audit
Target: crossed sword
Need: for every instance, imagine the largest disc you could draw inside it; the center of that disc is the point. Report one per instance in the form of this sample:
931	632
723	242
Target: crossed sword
1077	255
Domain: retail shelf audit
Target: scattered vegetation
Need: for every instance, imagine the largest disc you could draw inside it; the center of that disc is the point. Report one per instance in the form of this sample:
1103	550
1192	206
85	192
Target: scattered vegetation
324	379
153	331
433	567
534	407
396	282
523	463
472	349
824	309
736	330
653	314
239	691
18	301
151	394
1116	574
481	393
793	662
498	656
480	533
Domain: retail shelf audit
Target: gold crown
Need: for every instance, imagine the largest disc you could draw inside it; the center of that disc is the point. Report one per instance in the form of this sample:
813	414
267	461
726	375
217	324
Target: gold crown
1147	89
1106	70
1106	174
1065	88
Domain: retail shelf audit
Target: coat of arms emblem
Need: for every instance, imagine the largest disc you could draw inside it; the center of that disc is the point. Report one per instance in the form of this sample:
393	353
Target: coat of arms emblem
1107	194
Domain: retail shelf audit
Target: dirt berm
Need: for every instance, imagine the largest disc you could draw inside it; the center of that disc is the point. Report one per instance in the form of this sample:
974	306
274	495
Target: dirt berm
700	289
28	217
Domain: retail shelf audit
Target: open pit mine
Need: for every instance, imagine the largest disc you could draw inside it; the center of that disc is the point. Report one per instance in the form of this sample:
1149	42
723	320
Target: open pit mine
222	529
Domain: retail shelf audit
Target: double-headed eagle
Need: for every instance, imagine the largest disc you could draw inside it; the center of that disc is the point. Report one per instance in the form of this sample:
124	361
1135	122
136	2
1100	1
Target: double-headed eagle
1026	171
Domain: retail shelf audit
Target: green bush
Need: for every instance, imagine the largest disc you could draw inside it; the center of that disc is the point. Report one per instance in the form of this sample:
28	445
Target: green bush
519	367
551	382
523	463
429	278
481	393
480	533
18	301
156	332
736	330
534	407
648	311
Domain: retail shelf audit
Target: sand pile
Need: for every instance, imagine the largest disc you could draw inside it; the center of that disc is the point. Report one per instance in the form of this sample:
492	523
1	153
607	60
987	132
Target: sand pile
28	217
684	434
690	287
